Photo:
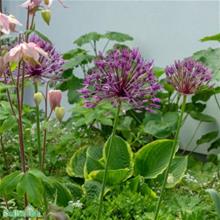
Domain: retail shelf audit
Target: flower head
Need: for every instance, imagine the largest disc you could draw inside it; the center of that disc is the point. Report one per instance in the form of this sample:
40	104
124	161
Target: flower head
8	23
188	76
32	5
55	97
29	52
47	67
122	75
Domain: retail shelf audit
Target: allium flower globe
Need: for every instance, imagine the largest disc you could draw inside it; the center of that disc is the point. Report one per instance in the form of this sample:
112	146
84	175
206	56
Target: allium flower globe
50	67
188	76
122	75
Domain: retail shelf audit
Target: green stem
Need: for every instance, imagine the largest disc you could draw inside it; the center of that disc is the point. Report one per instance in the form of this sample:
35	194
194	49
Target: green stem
107	162
217	102
38	128
4	154
171	157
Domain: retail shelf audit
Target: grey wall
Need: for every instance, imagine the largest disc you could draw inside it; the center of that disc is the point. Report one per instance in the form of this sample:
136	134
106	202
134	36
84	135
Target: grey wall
163	30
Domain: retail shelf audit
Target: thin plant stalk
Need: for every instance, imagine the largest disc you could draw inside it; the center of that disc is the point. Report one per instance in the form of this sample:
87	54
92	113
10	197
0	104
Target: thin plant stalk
4	153
217	102
45	129
107	162
38	127
171	157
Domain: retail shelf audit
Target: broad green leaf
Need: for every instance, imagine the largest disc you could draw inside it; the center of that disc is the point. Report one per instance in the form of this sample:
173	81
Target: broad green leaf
215	37
8	183
195	106
202	117
92	188
120	155
207	137
62	192
89	37
113	176
116	36
33	187
93	155
153	158
158	71
161	126
76	165
216	199
177	171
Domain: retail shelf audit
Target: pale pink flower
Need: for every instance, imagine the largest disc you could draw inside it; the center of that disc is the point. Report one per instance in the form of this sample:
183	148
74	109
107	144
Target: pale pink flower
31	5
8	23
28	52
55	97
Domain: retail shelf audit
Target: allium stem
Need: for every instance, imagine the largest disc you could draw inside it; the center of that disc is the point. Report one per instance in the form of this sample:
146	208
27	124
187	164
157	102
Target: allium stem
171	156
107	162
38	128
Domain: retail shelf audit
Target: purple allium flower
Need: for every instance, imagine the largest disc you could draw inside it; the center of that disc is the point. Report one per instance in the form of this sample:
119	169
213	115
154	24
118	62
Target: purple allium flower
48	68
188	75
122	75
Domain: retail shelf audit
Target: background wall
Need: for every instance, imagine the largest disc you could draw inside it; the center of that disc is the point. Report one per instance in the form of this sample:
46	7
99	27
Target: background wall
163	30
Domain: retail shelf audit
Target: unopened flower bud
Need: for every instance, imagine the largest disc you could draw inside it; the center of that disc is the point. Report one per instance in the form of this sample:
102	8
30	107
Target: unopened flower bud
54	97
59	112
38	97
46	15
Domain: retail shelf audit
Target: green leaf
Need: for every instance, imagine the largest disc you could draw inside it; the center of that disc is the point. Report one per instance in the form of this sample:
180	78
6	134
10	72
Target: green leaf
161	126
73	83
84	39
113	176
153	158
158	71
214	145
121	154
41	35
203	95
33	187
72	53
92	188
93	155
8	183
177	171
62	192
73	96
78	60
207	137
117	36
202	117
216	199
76	165
215	37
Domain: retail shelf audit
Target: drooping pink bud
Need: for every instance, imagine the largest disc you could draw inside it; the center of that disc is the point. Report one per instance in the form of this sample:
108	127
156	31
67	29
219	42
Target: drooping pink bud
55	97
29	52
8	23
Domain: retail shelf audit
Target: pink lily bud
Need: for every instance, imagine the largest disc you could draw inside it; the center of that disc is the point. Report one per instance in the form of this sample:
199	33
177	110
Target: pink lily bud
55	97
29	52
8	23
